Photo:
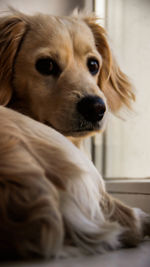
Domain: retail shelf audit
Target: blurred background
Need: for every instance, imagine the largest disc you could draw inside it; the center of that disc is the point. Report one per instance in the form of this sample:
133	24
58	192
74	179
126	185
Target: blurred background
124	149
56	7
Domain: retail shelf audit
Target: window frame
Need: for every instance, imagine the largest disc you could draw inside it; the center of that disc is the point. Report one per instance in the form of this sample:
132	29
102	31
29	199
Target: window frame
134	192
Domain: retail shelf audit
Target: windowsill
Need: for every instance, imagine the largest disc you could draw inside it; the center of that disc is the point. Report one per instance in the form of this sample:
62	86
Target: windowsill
137	186
133	192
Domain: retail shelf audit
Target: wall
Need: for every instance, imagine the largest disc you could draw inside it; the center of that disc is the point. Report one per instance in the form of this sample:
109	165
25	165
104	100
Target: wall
128	142
46	6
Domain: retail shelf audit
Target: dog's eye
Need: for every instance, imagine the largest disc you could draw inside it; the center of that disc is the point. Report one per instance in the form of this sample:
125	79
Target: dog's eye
93	66
47	66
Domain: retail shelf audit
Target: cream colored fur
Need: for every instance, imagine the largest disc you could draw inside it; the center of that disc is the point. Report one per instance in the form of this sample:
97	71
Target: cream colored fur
53	201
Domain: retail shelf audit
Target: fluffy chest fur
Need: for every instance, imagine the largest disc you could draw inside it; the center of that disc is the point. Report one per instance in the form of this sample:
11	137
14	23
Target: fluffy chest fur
58	81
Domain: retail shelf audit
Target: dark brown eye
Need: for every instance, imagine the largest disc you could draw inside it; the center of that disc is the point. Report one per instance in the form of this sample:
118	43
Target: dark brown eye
47	66
93	66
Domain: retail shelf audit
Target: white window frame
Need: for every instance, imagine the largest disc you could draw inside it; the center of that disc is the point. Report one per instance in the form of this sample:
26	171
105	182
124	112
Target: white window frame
133	192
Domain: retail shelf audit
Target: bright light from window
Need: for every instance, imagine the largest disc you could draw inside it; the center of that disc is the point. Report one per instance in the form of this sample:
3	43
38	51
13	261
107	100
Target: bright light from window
100	9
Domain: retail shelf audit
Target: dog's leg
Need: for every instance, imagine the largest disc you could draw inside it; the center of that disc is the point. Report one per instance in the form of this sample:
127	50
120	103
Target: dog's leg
135	223
30	221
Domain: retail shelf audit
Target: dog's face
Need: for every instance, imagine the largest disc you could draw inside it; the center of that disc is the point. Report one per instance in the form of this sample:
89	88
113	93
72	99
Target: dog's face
56	73
60	71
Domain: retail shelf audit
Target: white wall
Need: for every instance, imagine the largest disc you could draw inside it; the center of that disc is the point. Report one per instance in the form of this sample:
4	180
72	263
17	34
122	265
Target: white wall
47	6
128	143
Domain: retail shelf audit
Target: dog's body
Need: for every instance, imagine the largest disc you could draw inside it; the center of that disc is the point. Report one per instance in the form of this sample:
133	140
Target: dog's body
60	72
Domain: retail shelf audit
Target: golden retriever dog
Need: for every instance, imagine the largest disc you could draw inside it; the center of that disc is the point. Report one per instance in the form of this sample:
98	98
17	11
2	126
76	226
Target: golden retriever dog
58	81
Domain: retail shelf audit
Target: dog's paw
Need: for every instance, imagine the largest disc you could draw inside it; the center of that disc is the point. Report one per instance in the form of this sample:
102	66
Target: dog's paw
144	221
146	226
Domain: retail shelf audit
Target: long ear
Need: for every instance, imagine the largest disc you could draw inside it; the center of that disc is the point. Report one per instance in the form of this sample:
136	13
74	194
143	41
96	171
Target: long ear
12	30
112	81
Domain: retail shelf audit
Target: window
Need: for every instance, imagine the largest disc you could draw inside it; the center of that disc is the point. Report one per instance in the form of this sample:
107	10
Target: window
128	142
125	144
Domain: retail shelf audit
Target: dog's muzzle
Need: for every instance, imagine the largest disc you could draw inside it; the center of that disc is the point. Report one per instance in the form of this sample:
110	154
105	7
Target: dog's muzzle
92	108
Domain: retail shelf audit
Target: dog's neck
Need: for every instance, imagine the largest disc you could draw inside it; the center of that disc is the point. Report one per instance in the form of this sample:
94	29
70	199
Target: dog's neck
78	142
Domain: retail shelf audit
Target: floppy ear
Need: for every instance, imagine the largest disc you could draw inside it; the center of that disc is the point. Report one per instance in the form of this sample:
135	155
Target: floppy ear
12	30
112	81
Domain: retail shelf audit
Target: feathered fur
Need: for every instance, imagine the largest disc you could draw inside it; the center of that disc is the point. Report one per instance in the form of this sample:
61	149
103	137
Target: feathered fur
53	201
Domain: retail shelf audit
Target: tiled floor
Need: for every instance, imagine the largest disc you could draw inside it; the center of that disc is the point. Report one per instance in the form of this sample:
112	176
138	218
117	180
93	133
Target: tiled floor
136	257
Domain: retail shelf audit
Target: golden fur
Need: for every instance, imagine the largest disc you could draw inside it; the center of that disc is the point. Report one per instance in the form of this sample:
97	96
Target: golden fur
52	199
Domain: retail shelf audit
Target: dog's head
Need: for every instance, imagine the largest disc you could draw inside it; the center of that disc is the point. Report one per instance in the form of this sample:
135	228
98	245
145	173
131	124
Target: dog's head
60	71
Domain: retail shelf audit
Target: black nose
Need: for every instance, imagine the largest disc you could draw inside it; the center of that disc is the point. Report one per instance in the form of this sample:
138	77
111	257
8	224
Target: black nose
92	108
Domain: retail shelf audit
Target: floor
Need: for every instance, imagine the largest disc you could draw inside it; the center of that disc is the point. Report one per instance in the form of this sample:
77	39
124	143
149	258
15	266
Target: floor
136	257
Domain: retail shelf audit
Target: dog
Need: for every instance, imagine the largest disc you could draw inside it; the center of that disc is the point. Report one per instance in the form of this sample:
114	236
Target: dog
58	81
